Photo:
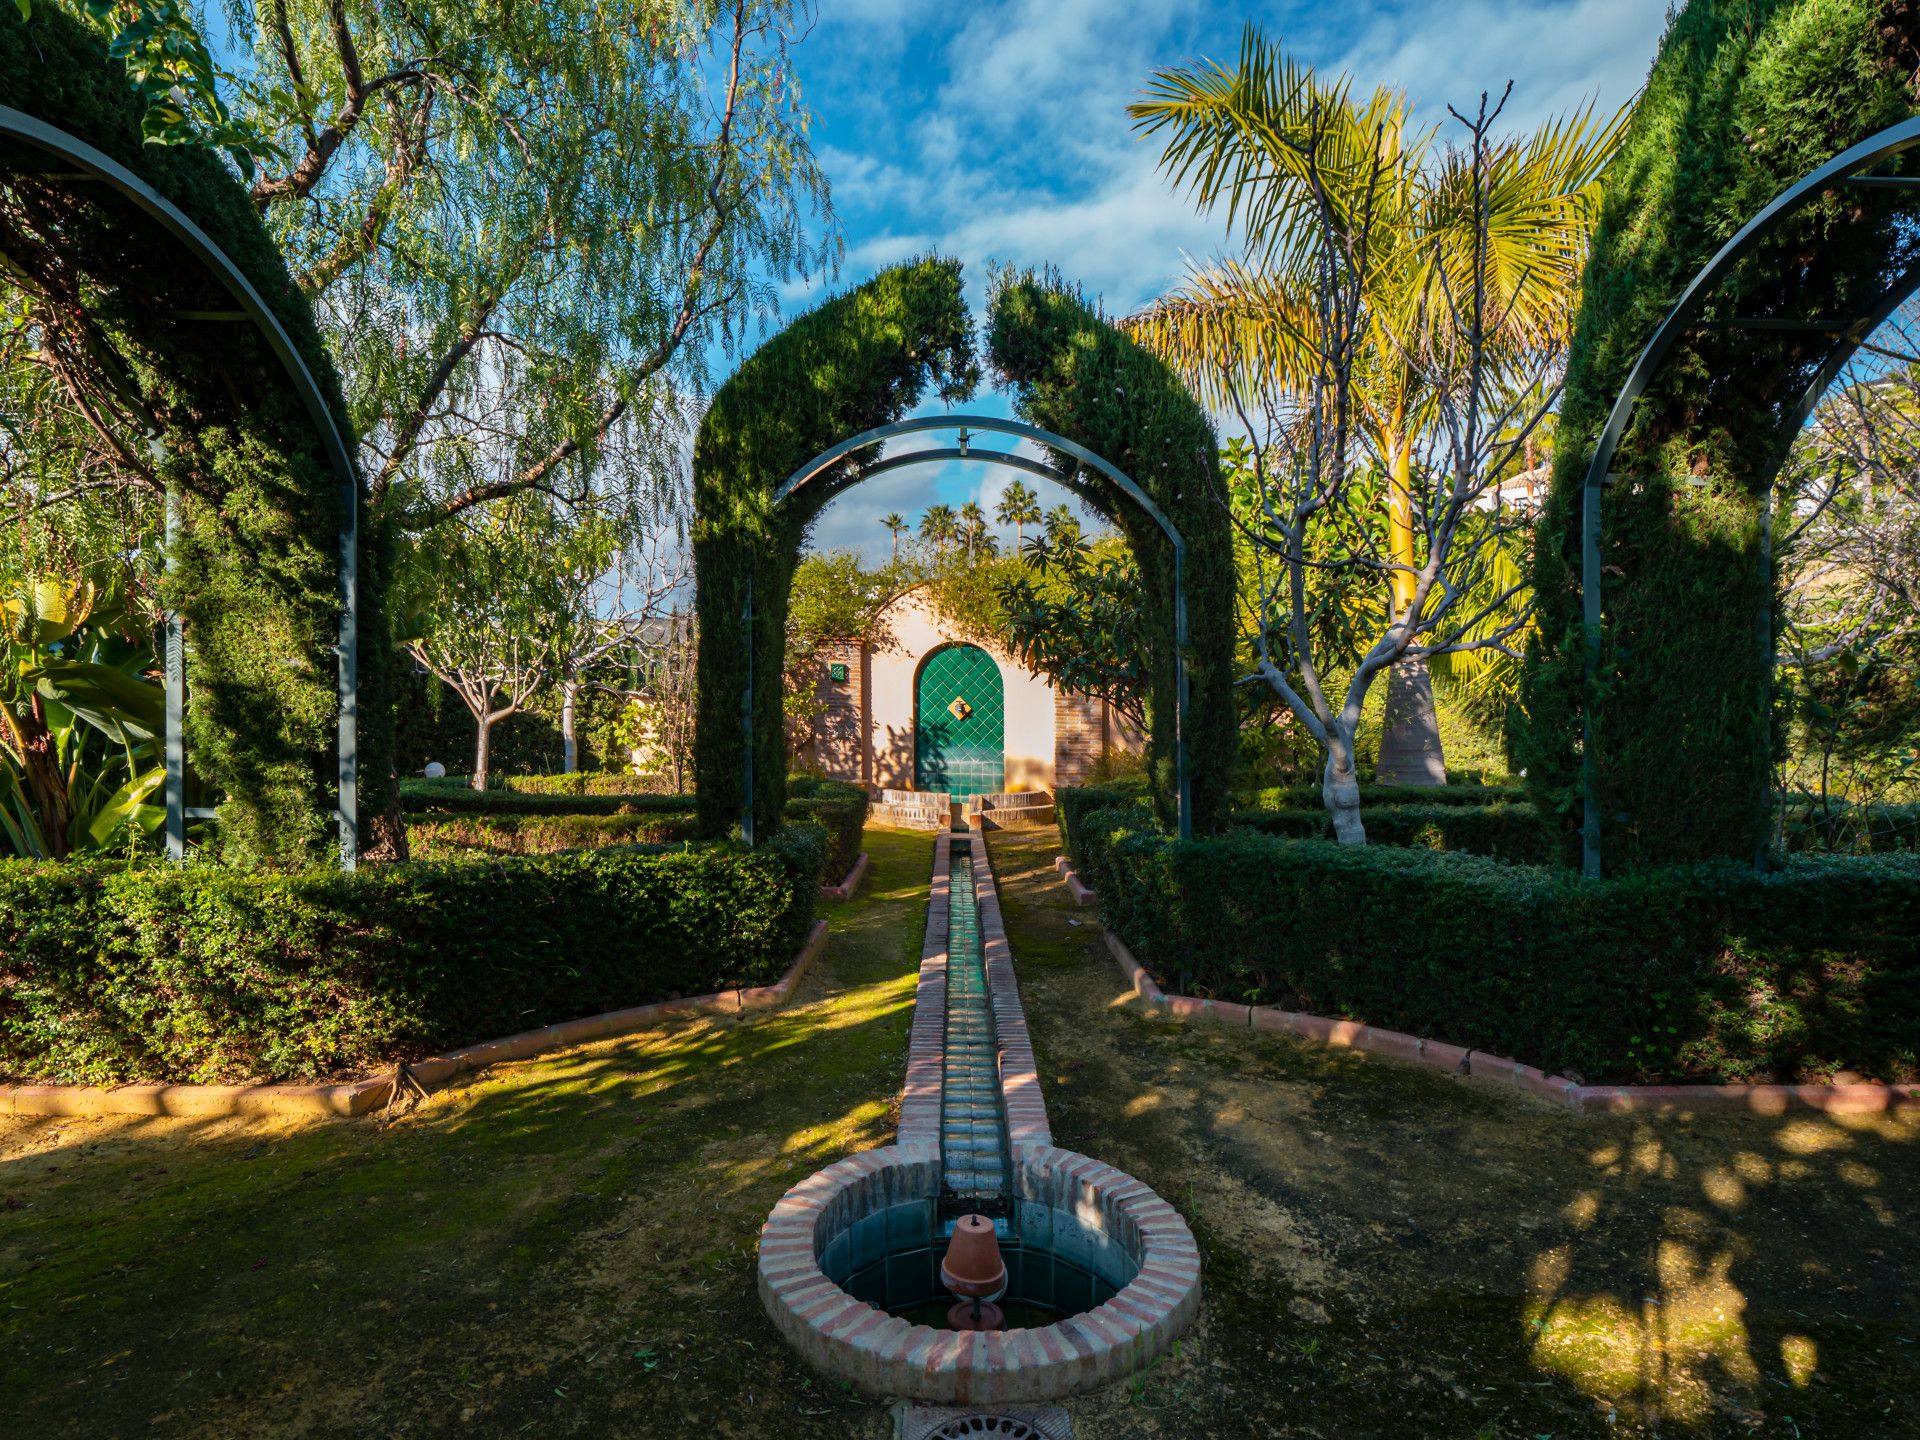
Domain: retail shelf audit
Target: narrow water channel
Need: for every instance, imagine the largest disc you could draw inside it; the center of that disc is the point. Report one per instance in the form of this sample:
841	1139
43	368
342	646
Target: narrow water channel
973	1136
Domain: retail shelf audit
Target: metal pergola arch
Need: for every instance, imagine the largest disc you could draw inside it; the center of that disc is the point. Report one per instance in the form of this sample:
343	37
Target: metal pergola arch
825	462
92	164
1847	333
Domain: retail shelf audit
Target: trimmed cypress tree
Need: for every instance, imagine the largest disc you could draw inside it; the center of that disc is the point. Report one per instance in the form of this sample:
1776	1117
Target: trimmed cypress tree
256	572
1745	98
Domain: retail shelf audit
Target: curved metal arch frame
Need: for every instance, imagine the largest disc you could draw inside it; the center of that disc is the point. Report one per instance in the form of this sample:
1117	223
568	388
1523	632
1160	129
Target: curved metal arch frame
1843	169
827	459
70	149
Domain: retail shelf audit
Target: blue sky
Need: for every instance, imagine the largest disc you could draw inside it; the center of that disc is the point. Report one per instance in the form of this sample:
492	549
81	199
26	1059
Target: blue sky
996	131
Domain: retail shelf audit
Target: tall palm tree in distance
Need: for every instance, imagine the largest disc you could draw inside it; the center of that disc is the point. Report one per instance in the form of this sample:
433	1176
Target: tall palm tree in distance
1270	141
973	526
1018	507
896	526
938	526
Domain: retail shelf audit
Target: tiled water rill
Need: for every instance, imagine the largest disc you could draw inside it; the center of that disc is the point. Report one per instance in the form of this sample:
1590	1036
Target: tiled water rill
973	1141
849	1257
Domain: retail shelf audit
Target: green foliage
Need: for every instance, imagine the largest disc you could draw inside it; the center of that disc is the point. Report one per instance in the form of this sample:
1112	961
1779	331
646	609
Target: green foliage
1747	96
840	810
1456	792
456	836
1504	831
200	974
1073	373
1700	973
1077	618
256	565
455	797
858	361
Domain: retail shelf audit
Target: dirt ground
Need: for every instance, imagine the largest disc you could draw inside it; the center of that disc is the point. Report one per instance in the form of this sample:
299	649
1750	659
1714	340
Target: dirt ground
1394	1252
566	1247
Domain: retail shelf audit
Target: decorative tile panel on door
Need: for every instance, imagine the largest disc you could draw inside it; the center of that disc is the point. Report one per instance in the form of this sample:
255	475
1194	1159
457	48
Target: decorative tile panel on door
960	723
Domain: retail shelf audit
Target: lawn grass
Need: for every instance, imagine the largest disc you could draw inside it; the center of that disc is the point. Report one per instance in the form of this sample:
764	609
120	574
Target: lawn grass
565	1246
1392	1252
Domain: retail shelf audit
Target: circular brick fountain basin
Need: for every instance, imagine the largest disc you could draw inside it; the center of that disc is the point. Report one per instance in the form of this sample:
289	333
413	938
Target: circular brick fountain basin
854	1243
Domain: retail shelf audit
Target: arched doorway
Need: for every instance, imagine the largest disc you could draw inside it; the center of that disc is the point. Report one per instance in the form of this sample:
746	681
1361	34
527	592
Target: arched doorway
959	723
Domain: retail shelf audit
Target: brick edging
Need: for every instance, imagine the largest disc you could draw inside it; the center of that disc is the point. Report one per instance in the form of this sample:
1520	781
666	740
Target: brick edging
1020	1097
857	1341
844	890
1456	1059
918	1132
357	1097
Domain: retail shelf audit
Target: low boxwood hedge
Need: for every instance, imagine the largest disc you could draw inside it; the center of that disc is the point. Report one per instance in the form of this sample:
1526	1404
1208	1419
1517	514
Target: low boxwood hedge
581	782
1507	831
449	837
1307	797
200	974
1705	973
512	822
443	797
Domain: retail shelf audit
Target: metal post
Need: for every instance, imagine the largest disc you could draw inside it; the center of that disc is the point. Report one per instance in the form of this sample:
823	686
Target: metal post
746	718
1182	781
1590	608
176	682
1764	633
347	729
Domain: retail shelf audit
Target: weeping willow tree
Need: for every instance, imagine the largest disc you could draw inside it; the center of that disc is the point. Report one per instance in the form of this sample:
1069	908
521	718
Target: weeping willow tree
1290	156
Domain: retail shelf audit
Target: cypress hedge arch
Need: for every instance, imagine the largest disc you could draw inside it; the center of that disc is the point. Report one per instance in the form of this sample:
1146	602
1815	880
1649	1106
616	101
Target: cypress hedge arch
861	361
1745	98
255	567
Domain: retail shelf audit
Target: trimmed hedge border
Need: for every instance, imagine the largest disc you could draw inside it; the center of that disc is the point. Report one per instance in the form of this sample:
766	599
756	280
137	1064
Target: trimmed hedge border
1761	1099
359	1096
464	836
209	976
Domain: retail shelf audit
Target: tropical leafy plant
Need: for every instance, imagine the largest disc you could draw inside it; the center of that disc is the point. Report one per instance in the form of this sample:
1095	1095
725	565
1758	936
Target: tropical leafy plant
80	721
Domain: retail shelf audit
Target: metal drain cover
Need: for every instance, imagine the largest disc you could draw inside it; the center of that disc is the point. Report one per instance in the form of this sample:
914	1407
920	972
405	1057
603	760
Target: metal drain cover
1002	1422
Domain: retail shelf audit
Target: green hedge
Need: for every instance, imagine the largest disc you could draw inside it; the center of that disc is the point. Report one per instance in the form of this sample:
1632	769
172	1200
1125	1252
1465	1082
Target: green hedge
553	821
454	797
1854	829
838	808
1746	98
1307	797
597	782
199	974
1505	831
449	837
1701	973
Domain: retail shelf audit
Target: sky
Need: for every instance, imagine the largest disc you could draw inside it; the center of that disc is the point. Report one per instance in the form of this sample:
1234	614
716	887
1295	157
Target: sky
996	131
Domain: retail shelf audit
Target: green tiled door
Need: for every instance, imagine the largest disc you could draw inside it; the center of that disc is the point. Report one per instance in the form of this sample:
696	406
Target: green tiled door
959	723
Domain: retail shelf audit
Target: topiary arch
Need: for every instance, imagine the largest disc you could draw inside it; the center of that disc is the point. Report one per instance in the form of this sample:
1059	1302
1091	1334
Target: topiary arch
1685	413
859	363
153	257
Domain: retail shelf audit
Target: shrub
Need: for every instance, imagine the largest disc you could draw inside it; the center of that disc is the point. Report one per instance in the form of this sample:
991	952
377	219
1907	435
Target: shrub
1307	797
1506	831
199	974
839	809
452	836
1699	973
599	782
451	797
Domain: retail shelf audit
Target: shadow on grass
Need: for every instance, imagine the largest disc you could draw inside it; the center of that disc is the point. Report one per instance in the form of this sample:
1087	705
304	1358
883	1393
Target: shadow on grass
560	1246
1397	1252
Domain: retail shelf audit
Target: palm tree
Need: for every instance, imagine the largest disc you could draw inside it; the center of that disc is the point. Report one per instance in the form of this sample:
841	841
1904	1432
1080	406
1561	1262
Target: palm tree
1062	527
895	528
1271	140
1018	507
973	525
938	526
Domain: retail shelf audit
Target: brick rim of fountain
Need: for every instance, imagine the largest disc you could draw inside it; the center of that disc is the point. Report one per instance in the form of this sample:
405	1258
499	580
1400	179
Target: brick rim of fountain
853	1340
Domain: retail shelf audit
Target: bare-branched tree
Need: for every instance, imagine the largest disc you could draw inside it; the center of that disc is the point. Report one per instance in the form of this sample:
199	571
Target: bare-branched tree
1308	504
